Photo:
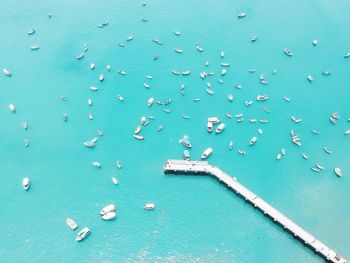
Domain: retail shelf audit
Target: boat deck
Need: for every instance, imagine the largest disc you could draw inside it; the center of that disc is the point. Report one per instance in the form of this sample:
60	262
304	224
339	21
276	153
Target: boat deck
203	168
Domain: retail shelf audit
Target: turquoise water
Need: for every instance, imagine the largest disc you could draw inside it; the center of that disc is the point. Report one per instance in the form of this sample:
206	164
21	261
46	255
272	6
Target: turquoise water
197	219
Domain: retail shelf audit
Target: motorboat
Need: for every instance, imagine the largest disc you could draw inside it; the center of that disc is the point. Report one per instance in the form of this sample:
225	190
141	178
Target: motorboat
222	54
93	88
25	125
119	165
71	223
90	116
26	143
92	66
109	216
207	153
138	129
121	72
114	180
310	78
278	156
241	15
242	152
34	47
160	127
186	72
225	64
223	72
89	144
338	172
347	132
108	67
80	56
327	150
288	52
260	131
177	33
252	141
253	38
220	128
187	155
296	120
150	206
130	38
96	164
305	156
178	50
107	209
150	102
283	151
230	145
210	91
31	32
175	72
120	97
319	166
139	137
209	126
326	72
315	42
185	142
26	183
101	77
7	72
89	102
12	107
82	234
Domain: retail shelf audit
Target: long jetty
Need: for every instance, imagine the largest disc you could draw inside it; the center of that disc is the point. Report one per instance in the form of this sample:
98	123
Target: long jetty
203	168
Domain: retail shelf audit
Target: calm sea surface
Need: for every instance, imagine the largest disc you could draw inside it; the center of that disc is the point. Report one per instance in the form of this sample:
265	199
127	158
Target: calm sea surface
197	219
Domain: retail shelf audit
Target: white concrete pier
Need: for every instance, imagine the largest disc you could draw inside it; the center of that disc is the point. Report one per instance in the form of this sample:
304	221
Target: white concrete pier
203	168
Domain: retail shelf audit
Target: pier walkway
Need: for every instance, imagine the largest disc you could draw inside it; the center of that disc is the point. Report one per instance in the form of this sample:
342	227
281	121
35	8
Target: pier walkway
203	168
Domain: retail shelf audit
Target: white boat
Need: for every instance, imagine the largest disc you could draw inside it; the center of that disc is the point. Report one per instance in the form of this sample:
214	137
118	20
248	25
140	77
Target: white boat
223	72
288	52
119	165
92	66
93	88
209	126
283	151
347	132
138	129
71	223
107	209
34	47
315	169
230	145
187	155
119	97
242	152
210	91
327	150
253	38
178	50
310	78
315	42
319	166
186	72
12	107
130	38
138	137
241	15
177	33
146	85
253	141
160	127
220	128
89	102
96	164
89	144
200	49
109	216
150	206
65	116
26	183
296	120
26	143
121	72
114	180
278	156
82	234
31	32
207	153
80	56
347	54
338	172
222	54
25	125
214	120
286	98
304	156
101	77
150	102
326	72
7	72
225	64
90	116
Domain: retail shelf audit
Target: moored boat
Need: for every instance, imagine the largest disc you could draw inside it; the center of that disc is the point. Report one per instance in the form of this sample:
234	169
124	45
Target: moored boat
26	183
207	153
71	223
150	206
82	234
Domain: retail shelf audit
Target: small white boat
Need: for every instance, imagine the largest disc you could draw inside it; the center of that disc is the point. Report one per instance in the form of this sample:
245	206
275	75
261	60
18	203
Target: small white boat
119	165
186	72
89	144
130	38
114	180
12	107
327	150
107	209
89	102
225	64
310	78
96	164
283	151
222	54
223	72
82	234
92	66
347	132
207	153
338	172
178	50
287	99
199	48
65	116
150	206
252	141
138	129
150	102
230	145
160	127
109	216
71	223
138	137
35	47
253	38
90	116
25	125
175	72
315	42
220	128
101	77
26	183
242	152
209	126
121	72
26	143
326	72
187	155
177	33
119	97
7	72
315	169
278	156
296	120
210	91
146	85
347	54
241	15
108	67
288	52
304	155
319	166
31	32
93	88
80	56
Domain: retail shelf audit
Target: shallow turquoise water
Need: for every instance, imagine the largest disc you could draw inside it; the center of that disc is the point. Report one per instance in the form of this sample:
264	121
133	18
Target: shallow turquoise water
197	219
